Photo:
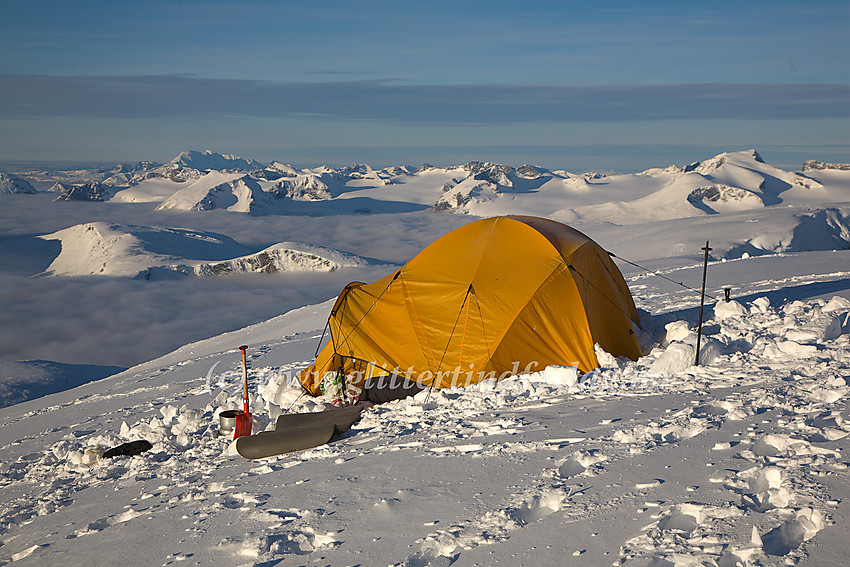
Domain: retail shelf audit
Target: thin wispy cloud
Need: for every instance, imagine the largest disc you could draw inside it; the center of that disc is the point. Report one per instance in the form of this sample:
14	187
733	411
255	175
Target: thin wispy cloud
24	96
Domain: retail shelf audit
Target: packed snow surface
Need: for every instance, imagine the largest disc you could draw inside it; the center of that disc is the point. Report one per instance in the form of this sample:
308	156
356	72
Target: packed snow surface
737	461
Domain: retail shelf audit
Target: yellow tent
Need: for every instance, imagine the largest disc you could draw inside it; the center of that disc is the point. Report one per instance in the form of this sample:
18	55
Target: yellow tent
492	298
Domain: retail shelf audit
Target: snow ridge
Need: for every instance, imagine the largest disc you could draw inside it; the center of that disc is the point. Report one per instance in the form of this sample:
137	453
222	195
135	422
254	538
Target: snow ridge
209	160
94	191
285	257
108	249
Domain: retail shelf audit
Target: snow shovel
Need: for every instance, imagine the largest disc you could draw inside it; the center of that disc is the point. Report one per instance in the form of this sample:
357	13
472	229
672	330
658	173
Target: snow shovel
244	421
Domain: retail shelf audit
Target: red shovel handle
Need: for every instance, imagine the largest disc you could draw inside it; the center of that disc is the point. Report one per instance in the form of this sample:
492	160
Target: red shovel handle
244	349
244	422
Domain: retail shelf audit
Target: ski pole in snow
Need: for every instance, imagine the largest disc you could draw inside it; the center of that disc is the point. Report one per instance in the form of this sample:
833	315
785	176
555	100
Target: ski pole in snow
702	299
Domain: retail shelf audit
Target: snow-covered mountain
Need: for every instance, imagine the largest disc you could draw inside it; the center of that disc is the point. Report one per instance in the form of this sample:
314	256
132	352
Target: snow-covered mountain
728	182
58	187
108	249
94	191
725	183
212	161
187	166
815	165
14	184
216	190
285	257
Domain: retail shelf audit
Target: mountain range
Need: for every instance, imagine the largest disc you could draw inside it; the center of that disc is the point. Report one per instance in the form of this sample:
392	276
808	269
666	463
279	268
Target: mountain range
202	181
798	210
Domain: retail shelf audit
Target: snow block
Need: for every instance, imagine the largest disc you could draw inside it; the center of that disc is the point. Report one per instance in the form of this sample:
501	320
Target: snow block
710	350
676	331
560	375
726	309
793	532
676	358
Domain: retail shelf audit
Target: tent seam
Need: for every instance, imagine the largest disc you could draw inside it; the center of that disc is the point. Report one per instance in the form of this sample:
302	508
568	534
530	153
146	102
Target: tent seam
561	268
412	308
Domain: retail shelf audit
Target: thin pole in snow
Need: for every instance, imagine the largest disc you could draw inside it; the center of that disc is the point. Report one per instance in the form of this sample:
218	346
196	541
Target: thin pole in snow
706	249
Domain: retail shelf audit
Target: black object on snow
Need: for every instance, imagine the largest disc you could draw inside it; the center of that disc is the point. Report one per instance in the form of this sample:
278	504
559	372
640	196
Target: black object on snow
130	449
385	389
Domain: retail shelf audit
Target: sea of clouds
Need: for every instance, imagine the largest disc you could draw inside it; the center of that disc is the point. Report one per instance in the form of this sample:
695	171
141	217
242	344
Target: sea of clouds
123	321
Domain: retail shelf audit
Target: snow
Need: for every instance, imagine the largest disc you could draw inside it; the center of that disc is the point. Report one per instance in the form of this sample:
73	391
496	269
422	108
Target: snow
152	252
153	190
12	184
210	160
740	460
680	467
213	190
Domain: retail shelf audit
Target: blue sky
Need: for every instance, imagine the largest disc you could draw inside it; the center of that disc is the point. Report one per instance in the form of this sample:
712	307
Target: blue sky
616	86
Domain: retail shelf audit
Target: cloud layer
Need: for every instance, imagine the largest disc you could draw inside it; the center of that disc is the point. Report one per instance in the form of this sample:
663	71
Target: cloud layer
122	321
23	96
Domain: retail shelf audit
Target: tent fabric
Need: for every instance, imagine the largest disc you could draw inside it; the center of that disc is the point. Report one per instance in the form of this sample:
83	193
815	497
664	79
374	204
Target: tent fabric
492	298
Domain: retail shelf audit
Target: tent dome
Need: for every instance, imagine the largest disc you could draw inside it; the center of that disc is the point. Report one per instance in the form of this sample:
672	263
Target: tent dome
492	298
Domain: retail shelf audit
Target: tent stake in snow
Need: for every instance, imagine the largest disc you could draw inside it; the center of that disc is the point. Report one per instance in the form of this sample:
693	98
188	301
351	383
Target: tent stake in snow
702	299
244	422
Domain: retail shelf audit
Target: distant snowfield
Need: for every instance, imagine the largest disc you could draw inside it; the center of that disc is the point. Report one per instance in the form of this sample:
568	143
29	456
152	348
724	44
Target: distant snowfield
741	460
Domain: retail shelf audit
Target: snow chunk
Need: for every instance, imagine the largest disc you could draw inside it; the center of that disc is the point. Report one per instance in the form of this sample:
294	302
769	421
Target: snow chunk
605	359
778	445
579	462
765	490
676	358
760	305
677	331
25	553
727	309
793	532
786	348
684	518
709	351
837	303
557	375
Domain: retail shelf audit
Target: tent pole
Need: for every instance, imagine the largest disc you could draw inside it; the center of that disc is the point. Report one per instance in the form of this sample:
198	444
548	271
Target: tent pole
325	330
706	249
